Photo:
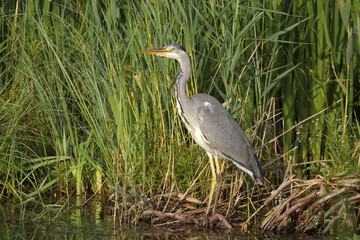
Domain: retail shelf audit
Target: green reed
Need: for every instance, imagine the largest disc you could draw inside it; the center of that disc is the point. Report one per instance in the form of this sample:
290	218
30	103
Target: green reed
82	111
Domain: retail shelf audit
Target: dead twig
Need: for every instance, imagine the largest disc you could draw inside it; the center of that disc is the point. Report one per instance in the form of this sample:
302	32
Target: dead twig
301	122
269	222
339	203
183	219
286	183
187	219
299	204
331	223
311	203
305	202
183	196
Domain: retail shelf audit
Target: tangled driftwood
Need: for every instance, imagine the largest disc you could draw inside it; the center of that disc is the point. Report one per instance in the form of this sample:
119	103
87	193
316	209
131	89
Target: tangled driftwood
307	204
301	205
188	219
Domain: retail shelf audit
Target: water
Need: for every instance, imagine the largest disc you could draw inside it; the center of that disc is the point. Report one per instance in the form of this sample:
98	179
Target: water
66	221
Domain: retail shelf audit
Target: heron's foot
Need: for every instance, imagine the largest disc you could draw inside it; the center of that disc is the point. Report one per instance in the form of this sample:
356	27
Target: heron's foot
205	222
214	209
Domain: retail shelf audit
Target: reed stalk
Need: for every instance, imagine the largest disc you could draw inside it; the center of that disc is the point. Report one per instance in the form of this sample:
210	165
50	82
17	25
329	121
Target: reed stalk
83	112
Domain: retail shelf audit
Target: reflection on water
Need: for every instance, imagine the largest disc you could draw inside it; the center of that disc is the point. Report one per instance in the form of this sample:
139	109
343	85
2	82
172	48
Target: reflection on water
75	220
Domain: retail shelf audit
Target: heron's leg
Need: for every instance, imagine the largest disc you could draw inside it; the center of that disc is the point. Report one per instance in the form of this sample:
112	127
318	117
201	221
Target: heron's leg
218	175
213	184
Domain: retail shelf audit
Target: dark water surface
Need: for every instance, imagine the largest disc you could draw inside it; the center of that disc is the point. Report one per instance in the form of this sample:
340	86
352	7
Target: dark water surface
66	221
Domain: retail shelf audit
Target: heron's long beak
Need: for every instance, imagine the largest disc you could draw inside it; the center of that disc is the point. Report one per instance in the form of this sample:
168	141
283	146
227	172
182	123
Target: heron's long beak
157	51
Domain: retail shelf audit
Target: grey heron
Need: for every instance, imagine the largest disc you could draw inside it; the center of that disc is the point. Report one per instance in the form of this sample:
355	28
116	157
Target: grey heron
211	125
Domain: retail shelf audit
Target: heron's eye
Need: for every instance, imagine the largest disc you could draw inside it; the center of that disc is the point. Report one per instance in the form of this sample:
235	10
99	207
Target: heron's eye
171	49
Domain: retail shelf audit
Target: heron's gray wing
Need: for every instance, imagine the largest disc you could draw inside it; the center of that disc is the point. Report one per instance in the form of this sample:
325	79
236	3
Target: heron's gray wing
225	135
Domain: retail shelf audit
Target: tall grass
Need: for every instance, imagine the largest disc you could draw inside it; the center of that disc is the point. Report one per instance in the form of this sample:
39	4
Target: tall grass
83	112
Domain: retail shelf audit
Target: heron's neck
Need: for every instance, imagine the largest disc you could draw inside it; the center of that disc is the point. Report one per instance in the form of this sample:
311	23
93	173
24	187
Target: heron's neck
183	102
180	86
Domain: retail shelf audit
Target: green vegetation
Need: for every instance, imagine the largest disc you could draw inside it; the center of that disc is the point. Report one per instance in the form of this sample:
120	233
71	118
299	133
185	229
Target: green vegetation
83	112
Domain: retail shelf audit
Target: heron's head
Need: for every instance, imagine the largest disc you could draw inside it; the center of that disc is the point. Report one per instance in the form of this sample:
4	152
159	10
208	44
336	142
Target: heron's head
172	50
